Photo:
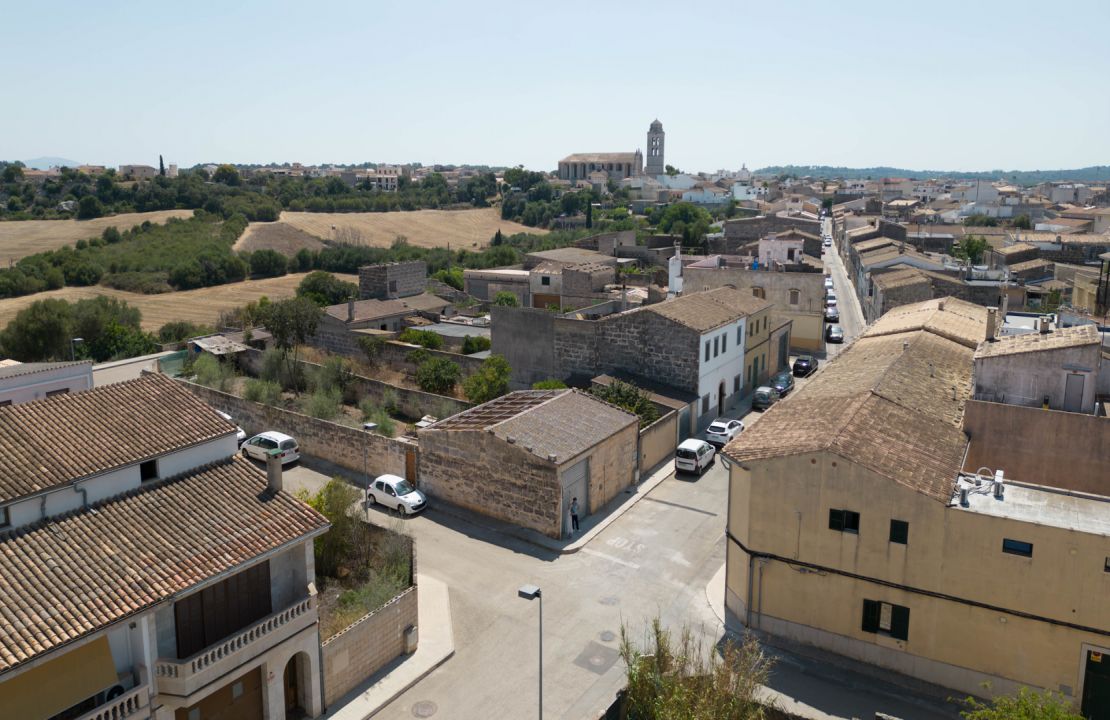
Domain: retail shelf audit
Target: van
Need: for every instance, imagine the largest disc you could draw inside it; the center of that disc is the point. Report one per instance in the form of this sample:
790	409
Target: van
693	456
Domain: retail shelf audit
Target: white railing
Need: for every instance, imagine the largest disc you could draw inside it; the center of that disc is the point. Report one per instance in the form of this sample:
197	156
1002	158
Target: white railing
133	705
186	669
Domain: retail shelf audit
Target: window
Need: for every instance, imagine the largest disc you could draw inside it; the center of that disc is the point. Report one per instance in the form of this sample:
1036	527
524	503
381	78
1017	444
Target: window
705	404
844	521
899	531
758	292
1105	567
55	393
148	470
392	286
736	389
724	342
5	403
1017	547
545	280
707	350
716	346
740	335
886	619
795	297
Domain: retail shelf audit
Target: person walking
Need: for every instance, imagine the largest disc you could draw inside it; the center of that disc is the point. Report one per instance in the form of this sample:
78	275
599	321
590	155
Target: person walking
573	515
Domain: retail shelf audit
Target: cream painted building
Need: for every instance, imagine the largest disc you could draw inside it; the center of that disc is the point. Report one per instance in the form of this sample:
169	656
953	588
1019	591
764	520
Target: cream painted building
848	530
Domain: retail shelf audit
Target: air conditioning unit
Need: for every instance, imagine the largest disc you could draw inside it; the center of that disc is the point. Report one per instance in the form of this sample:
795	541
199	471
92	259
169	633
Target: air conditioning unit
124	682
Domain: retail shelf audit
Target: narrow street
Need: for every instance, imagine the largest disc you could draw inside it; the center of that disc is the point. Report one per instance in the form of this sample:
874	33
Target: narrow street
851	315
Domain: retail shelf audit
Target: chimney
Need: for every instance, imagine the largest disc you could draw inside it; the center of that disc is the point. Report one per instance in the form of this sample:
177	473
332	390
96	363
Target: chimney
273	472
992	323
1046	324
999	484
351	310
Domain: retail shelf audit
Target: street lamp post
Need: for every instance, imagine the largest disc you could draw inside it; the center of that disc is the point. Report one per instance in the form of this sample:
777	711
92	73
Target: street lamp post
73	342
531	592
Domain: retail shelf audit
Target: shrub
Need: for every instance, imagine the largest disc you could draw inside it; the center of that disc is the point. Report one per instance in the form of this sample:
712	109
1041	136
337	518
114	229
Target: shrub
268	263
179	330
334	501
418	356
474	344
506	299
1026	705
323	288
437	375
322	404
147	283
550	384
261	391
212	373
334	374
372	413
628	397
450	276
491	380
424	338
373	347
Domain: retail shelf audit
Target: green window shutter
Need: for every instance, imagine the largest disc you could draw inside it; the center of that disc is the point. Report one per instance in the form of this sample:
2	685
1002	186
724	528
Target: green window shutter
871	612
900	622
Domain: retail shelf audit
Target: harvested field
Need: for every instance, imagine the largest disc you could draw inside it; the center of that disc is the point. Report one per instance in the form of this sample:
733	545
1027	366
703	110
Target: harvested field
20	238
459	229
200	306
279	236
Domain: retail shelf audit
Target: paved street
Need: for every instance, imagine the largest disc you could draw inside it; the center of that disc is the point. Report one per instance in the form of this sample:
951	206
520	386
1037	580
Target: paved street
851	316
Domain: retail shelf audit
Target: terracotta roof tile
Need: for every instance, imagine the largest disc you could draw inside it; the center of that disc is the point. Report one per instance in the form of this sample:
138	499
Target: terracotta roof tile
76	573
708	310
1077	336
59	439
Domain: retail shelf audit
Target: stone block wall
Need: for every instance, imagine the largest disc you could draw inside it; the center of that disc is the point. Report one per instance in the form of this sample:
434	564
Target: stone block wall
575	348
482	473
334	336
757	227
392	280
585	280
648	345
347	447
368	645
396	355
525	338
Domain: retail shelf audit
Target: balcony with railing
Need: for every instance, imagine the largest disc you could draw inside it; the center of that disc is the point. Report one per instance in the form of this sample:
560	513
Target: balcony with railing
132	705
185	676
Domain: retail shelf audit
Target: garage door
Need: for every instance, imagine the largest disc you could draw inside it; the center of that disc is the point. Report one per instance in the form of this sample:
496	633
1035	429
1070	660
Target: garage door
576	484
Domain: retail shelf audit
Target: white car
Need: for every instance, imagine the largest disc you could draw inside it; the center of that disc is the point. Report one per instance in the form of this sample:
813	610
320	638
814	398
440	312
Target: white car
828	283
828	242
259	447
240	433
721	430
693	456
397	494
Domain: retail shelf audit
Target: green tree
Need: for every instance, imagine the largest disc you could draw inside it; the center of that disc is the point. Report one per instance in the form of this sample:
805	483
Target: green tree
1026	705
491	381
505	299
686	219
971	249
437	375
475	344
550	384
334	374
671	170
161	167
323	288
589	214
89	207
212	373
628	397
1023	222
226	174
268	263
379	416
179	330
41	331
450	276
291	323
424	338
337	502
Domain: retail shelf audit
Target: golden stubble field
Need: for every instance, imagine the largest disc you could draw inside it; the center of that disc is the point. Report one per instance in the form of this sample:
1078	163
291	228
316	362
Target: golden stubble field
20	238
457	229
200	306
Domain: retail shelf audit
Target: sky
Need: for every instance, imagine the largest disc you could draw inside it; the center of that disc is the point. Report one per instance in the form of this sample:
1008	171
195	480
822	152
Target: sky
969	85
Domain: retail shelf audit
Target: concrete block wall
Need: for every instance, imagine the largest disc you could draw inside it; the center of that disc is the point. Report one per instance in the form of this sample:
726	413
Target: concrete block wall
392	280
525	338
365	647
658	441
347	447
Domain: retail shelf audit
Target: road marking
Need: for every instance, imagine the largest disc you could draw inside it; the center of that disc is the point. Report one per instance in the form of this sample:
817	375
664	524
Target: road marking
617	560
625	544
684	507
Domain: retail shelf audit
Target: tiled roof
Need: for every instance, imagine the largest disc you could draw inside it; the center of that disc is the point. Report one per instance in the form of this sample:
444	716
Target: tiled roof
899	278
572	256
59	439
18	369
708	310
546	423
373	309
957	320
1067	239
74	574
1030	265
873	244
1036	342
892	403
1018	247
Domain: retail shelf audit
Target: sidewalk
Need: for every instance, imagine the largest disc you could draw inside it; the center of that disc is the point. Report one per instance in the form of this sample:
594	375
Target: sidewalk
436	644
590	526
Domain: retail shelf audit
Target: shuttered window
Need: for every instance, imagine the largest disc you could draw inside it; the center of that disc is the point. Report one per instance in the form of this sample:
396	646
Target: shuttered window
886	619
899	532
206	617
844	521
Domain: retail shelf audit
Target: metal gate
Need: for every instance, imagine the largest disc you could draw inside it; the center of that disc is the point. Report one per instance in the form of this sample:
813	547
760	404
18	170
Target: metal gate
576	484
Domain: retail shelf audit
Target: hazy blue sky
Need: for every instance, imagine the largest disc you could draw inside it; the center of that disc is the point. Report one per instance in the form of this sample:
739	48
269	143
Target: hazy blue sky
966	85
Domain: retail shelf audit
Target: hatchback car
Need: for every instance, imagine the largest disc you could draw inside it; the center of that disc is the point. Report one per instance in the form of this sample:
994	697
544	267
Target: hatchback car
783	382
764	397
240	433
693	456
828	242
832	315
259	447
828	284
397	494
721	430
834	334
805	366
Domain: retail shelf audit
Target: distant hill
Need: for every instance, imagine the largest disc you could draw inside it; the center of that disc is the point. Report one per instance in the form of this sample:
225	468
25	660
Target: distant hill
45	163
1095	173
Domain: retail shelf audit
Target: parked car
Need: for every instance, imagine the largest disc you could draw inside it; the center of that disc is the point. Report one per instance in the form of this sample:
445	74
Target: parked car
805	366
259	447
834	334
828	283
828	242
764	397
240	433
693	456
832	315
397	494
830	294
830	303
722	430
783	382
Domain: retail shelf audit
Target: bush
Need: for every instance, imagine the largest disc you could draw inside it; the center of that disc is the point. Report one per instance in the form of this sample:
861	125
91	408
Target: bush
506	299
268	263
261	391
474	344
334	374
437	375
147	283
491	381
1026	705
334	501
424	338
551	384
179	330
628	397
322	404
372	413
373	347
89	208
323	288
212	373
450	276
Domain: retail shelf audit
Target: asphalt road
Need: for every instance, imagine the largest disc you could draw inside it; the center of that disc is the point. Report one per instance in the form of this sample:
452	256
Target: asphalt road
851	316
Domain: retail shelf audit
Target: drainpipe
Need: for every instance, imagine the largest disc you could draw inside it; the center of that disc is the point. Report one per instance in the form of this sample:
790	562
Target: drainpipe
84	495
42	507
748	608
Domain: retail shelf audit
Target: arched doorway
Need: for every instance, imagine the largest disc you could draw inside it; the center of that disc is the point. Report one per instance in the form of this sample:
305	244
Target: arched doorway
295	682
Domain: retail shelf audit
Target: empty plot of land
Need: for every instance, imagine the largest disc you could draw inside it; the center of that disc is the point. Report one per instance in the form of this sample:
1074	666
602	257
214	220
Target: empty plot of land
20	238
459	229
279	236
199	306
